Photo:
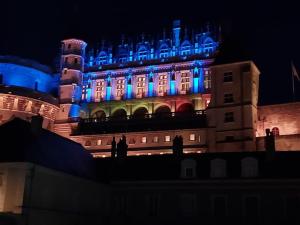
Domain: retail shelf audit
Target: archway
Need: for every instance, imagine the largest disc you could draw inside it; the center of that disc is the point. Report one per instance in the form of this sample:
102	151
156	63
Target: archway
100	114
119	114
185	108
163	112
140	113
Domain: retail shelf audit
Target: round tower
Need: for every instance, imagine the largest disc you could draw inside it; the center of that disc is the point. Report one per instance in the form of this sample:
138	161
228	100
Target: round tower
72	68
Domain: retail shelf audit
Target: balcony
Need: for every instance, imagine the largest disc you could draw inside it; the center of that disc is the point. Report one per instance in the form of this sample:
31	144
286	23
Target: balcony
147	122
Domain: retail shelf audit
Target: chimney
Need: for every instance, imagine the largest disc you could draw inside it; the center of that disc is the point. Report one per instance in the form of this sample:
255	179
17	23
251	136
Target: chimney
36	124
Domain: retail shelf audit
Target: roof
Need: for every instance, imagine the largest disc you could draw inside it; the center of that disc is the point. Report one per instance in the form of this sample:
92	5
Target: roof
167	167
21	144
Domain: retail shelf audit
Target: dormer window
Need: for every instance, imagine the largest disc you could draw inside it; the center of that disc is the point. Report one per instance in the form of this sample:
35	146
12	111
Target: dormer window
142	53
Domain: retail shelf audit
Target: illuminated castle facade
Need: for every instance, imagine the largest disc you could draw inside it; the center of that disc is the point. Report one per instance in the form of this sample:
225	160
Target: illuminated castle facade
153	91
149	91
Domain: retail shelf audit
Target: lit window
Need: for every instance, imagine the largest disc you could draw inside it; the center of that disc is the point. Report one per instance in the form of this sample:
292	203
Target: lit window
120	88
140	86
228	98
144	139
100	90
275	131
229	117
155	139
199	139
228	77
167	138
185	82
207	79
192	137
162	85
99	142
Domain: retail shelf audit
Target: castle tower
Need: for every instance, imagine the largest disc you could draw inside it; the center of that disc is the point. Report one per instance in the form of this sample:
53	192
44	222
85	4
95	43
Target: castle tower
72	67
232	112
176	34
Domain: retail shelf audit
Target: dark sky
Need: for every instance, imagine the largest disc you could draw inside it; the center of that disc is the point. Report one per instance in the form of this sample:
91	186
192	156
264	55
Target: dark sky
264	31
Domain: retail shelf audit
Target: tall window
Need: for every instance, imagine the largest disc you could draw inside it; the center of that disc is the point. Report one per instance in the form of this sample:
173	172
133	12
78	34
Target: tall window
84	92
140	87
228	98
120	88
229	117
100	89
207	79
185	83
162	85
228	77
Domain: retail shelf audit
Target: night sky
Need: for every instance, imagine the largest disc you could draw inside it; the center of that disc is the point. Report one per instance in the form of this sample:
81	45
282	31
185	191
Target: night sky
264	31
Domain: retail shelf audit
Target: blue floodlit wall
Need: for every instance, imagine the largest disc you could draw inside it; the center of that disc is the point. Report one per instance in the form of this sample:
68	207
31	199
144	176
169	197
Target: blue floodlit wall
27	77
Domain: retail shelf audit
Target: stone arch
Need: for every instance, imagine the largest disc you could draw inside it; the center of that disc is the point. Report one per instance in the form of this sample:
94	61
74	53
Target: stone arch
119	114
186	107
94	110
100	114
162	111
140	113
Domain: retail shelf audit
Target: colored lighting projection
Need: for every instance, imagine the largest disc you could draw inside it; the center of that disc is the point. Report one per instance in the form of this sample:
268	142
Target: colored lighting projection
172	83
74	111
196	80
108	91
129	88
150	85
89	93
201	80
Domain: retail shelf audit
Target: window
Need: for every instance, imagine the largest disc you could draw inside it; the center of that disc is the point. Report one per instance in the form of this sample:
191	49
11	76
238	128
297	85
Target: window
189	172
164	52
219	206
65	71
109	141
84	92
140	86
144	140
229	117
167	138
155	139
66	60
229	138
192	137
228	77
251	209
275	131
120	88
185	83
99	142
228	98
69	46
131	141
162	85
100	90
75	60
207	79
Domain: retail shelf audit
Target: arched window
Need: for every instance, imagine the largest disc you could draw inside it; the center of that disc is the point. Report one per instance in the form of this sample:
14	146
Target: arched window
102	58
164	51
208	46
142	53
186	48
275	131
